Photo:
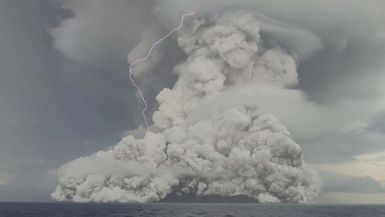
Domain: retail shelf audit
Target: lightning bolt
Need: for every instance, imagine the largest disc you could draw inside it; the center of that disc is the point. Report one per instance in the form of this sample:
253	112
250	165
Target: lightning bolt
142	59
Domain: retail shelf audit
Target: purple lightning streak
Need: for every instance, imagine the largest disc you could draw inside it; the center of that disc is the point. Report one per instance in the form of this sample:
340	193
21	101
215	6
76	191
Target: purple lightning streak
137	61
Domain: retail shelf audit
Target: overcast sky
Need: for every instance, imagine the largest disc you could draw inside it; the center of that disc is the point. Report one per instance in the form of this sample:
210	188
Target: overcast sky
64	90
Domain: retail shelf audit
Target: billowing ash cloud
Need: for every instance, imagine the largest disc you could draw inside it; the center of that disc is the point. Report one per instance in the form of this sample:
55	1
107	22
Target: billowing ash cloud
230	151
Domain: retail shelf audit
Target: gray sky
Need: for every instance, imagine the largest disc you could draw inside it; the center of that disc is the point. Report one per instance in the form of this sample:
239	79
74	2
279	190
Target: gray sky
64	91
52	108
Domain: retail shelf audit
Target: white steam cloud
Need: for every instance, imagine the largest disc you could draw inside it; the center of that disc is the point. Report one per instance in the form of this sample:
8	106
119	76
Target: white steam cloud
193	150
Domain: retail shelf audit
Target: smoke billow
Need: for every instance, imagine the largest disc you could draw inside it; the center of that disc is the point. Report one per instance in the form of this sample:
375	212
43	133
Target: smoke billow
236	150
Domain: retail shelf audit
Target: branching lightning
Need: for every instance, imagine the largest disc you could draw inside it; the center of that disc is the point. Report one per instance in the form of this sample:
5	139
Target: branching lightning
142	59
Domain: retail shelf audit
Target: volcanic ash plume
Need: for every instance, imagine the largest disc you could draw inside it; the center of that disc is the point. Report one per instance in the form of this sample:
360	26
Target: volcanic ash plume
231	151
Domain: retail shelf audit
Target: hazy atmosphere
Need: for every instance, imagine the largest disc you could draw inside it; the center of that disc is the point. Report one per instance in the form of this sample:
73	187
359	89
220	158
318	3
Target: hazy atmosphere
304	80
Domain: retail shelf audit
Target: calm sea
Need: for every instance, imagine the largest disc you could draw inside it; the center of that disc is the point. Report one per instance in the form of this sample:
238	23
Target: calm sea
187	210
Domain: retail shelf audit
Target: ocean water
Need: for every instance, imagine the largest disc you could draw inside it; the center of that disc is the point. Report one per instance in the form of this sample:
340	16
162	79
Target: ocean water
186	210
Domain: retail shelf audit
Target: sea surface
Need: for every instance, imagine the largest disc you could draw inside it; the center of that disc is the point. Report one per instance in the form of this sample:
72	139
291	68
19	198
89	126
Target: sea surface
186	210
